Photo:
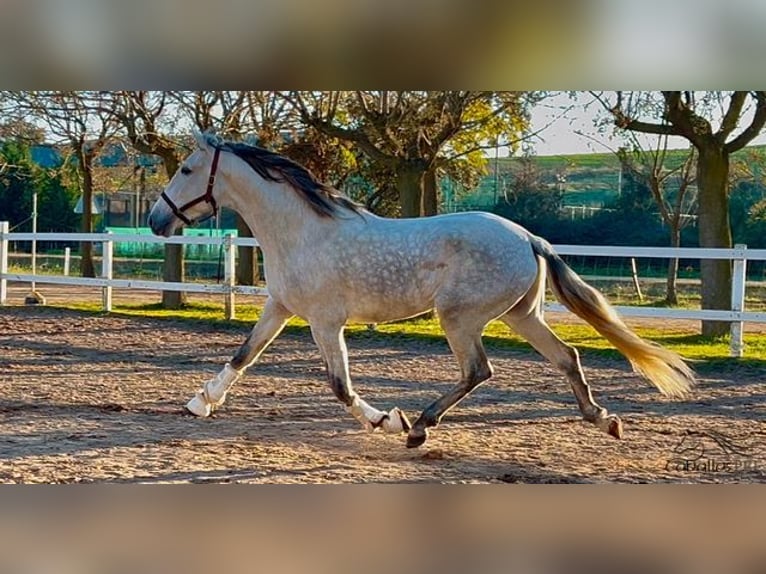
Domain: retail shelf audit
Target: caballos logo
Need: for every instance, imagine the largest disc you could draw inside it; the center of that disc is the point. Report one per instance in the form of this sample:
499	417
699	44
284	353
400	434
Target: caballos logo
711	451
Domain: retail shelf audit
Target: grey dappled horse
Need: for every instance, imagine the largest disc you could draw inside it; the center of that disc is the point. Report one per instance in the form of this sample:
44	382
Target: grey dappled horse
330	261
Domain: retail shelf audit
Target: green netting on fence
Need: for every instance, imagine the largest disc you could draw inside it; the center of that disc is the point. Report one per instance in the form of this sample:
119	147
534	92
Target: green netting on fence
138	249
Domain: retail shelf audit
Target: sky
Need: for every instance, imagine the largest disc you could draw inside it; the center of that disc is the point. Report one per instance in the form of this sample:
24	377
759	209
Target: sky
559	126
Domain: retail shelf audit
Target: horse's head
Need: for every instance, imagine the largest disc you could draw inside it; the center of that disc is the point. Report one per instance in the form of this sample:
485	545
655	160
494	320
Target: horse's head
190	196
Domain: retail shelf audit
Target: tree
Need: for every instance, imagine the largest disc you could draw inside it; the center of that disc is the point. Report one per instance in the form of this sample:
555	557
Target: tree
145	120
21	179
756	224
244	114
267	117
79	120
747	197
671	187
21	130
528	200
714	123
403	133
230	114
150	118
16	183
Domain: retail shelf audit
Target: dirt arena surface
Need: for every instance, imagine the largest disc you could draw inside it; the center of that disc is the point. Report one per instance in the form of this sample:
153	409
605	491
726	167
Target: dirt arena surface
88	397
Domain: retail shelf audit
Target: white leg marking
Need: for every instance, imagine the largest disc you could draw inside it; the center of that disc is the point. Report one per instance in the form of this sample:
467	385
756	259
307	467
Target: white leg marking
213	392
371	418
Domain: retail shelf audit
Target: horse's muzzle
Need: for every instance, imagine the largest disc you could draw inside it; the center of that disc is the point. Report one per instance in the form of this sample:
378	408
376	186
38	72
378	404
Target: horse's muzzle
162	226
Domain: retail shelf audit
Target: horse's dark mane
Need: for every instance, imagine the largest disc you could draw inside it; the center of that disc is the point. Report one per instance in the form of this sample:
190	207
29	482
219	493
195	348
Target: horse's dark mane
322	198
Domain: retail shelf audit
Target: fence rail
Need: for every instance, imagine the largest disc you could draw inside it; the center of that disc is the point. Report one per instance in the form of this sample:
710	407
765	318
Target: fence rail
736	315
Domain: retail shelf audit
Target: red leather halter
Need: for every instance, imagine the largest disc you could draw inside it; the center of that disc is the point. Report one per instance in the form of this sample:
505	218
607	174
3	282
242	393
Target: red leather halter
207	197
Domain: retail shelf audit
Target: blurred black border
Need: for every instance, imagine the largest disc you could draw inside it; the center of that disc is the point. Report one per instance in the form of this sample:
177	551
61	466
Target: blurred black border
494	528
421	44
377	528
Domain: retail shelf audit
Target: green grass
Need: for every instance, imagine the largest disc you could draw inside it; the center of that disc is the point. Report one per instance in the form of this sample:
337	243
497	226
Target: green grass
608	160
706	352
592	177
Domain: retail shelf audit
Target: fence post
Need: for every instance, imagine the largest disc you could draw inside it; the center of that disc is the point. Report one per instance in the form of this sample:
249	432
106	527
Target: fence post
739	277
229	275
107	271
67	257
3	262
634	276
34	241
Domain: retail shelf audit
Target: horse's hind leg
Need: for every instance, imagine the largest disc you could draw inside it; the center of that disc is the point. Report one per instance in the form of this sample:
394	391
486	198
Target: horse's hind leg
530	324
464	337
213	392
332	345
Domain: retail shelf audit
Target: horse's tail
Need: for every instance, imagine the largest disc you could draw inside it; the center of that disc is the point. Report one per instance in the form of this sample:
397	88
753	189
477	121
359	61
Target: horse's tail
665	369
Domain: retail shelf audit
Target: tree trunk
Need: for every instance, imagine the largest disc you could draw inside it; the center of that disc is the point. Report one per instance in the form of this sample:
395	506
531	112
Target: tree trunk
246	260
714	231
173	270
409	185
671	297
430	193
173	265
87	269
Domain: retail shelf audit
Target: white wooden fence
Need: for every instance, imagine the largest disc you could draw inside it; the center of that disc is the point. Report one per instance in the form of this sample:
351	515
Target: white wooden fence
107	281
736	315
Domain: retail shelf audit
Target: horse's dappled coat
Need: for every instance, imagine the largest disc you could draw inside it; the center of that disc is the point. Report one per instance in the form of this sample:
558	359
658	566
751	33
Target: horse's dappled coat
330	261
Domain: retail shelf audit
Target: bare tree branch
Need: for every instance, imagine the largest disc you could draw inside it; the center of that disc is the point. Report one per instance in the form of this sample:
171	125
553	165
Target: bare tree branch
729	122
623	120
755	127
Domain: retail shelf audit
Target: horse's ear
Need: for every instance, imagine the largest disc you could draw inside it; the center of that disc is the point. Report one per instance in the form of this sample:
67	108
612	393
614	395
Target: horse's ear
207	141
201	140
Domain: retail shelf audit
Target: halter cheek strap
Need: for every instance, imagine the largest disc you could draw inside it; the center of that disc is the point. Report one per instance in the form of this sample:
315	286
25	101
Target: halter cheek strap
207	197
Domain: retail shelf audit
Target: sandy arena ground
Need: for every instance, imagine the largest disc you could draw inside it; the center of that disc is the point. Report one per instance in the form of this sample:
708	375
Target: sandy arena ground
87	397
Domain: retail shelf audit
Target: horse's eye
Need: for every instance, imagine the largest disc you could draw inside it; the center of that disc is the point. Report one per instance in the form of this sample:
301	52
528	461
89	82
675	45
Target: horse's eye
186	170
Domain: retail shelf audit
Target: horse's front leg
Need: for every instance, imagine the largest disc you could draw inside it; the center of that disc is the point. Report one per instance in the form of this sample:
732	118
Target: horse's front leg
332	345
213	392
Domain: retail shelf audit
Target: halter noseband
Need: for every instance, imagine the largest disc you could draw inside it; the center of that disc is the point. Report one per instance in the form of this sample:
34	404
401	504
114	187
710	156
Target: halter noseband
207	197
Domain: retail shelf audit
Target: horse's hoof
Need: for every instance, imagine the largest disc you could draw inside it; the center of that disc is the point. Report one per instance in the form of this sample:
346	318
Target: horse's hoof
611	425
396	421
615	427
198	406
416	437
